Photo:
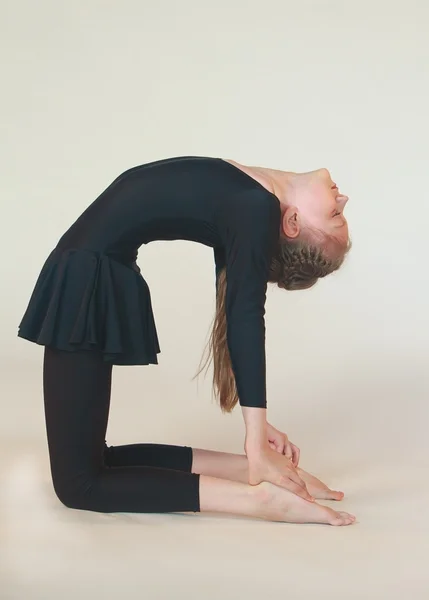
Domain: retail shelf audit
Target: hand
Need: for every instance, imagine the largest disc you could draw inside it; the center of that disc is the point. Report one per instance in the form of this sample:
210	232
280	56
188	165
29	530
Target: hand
268	465
279	442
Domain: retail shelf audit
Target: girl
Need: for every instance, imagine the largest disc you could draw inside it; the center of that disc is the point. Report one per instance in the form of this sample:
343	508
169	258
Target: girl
91	309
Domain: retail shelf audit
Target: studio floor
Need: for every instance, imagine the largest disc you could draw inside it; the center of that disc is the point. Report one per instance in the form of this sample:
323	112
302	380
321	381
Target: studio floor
50	552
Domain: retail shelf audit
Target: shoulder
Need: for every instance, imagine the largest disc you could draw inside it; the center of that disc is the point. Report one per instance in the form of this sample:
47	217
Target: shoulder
259	174
251	227
257	207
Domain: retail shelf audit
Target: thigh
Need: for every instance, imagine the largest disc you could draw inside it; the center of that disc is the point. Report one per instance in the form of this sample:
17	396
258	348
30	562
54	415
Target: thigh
77	399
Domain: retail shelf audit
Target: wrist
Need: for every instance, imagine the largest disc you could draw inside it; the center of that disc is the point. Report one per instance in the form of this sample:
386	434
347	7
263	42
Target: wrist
254	451
256	440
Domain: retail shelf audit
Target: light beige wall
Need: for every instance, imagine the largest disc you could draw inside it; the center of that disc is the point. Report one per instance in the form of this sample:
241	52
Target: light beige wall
90	88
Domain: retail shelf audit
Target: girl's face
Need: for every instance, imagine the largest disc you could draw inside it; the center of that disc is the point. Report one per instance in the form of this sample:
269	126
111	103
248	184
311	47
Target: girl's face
315	202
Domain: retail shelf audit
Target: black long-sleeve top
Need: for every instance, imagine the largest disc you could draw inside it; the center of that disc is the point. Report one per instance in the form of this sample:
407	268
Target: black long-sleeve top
88	297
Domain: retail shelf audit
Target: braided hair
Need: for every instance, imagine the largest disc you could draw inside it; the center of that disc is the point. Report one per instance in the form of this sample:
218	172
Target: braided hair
299	265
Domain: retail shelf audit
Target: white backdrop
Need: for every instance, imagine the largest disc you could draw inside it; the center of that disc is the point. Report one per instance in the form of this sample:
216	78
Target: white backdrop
91	88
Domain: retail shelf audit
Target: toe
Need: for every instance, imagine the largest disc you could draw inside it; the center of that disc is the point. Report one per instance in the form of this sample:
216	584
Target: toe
332	495
341	518
348	518
346	514
334	518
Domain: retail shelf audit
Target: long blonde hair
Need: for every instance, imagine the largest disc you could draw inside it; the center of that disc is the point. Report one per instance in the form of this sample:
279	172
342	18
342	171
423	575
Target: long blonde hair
295	266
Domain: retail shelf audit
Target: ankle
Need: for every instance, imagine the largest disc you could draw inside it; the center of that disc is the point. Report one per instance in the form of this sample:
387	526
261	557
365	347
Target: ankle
261	493
242	469
257	499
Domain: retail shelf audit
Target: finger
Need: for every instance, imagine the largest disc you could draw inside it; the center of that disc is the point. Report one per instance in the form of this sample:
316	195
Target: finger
299	491
288	451
280	444
277	445
296	455
293	476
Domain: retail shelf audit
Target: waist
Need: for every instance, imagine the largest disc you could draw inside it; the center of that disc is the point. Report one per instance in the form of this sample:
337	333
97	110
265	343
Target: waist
128	259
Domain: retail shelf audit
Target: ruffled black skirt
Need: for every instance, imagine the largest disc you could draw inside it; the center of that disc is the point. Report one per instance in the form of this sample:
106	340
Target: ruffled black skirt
88	300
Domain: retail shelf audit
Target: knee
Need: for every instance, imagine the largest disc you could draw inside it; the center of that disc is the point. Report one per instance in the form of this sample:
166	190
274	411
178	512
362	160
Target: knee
70	497
74	495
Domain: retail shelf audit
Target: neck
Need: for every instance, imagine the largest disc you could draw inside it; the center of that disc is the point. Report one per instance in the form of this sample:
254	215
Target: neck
284	185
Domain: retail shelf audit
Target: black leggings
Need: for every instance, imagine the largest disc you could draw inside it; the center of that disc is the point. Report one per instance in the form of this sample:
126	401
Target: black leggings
86	473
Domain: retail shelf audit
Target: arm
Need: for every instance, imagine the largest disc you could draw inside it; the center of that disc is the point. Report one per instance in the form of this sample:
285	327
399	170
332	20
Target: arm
255	418
251	230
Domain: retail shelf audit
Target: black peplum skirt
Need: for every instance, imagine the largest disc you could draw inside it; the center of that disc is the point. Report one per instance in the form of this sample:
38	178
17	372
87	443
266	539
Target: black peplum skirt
89	300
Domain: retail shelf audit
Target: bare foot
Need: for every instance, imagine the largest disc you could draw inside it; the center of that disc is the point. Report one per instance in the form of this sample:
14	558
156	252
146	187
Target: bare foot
278	504
318	489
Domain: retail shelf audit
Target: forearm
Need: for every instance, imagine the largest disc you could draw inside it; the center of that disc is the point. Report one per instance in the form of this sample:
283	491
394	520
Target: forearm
255	420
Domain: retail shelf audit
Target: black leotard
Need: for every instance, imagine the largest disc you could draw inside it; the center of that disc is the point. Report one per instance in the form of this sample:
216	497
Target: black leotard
91	295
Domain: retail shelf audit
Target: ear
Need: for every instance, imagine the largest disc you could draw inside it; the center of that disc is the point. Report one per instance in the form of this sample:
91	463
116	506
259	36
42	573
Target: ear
290	222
